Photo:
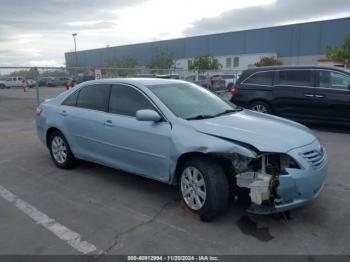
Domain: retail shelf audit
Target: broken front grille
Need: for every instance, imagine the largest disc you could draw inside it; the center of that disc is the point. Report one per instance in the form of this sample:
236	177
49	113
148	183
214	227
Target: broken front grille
316	158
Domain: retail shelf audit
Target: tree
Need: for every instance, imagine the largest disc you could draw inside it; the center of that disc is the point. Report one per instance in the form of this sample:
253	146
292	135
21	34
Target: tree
161	60
205	62
268	61
340	53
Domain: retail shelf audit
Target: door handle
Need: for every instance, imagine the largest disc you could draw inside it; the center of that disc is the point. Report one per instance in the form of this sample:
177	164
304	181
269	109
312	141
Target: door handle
108	123
64	113
309	95
320	96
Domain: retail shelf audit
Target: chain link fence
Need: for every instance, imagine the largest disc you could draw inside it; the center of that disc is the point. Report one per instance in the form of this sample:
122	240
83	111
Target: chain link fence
40	83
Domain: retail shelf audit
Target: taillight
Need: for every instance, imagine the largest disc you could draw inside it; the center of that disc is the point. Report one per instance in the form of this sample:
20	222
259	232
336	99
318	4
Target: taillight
234	91
39	110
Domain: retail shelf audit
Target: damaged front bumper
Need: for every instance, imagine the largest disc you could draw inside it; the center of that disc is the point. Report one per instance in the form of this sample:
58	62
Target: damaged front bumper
298	187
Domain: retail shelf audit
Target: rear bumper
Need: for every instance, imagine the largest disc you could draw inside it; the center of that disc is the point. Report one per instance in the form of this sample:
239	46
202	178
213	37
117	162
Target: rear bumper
300	186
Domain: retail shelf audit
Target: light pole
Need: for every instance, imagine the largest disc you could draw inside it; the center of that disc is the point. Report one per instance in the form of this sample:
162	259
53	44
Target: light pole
75	48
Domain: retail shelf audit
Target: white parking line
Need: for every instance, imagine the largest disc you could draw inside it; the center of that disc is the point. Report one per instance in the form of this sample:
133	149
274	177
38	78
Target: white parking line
64	233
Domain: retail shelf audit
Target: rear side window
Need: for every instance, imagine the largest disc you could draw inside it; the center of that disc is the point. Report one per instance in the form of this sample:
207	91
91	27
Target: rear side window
71	100
126	100
295	77
330	79
262	78
94	97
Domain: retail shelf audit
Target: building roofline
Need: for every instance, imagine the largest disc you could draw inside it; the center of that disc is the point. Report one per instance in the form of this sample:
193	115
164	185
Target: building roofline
215	34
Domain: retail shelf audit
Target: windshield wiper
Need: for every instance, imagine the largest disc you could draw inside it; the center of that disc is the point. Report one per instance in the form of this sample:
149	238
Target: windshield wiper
237	109
198	117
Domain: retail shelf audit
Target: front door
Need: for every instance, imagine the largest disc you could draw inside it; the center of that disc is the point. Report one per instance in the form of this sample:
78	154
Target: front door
132	145
333	96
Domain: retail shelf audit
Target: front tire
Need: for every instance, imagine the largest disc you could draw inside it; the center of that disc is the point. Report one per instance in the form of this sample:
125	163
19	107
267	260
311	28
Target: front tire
204	187
60	151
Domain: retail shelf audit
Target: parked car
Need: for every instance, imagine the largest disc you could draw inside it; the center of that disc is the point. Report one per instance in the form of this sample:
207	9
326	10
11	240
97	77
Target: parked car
31	83
57	81
84	78
168	76
43	81
214	83
303	93
142	75
229	79
179	133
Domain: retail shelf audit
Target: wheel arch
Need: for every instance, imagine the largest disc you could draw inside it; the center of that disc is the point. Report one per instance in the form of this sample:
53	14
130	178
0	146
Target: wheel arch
49	132
195	154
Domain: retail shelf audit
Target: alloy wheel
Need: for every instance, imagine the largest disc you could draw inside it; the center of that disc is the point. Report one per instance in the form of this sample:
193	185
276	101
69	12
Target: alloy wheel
193	188
59	150
260	108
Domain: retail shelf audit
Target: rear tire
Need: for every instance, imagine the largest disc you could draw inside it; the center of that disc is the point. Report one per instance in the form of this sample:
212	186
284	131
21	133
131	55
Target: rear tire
260	106
60	151
204	187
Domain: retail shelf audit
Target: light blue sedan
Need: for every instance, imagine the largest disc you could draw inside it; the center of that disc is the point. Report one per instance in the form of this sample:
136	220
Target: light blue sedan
182	134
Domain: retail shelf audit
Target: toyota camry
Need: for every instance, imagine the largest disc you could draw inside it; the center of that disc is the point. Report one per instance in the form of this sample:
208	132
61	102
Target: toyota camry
182	134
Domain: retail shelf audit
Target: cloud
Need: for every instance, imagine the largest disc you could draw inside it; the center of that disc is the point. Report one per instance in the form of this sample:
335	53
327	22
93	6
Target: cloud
48	24
40	31
278	13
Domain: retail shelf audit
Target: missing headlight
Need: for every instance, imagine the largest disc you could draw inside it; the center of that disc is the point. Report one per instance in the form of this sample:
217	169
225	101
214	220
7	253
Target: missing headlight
260	175
288	162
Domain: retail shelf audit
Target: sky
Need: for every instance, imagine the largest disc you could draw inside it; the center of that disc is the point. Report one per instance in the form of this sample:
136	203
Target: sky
39	32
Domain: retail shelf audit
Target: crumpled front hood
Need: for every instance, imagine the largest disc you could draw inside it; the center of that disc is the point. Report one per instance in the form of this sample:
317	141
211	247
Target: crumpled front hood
265	132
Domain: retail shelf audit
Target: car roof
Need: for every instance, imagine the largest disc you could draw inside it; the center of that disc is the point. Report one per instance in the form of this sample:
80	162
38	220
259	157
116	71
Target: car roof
136	81
284	67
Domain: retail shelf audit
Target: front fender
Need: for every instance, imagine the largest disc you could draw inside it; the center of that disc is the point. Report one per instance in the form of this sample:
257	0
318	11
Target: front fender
190	141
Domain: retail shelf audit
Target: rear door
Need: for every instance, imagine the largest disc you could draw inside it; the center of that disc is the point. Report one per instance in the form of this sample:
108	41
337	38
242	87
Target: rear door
333	95
294	94
84	122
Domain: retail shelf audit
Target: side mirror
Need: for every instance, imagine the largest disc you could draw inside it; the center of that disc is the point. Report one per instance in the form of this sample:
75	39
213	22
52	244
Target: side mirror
147	115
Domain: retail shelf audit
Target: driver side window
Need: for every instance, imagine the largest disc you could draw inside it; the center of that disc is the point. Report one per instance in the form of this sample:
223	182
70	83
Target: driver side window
334	80
126	100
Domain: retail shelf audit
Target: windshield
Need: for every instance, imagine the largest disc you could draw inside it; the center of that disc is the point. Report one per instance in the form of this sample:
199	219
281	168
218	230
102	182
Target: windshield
190	101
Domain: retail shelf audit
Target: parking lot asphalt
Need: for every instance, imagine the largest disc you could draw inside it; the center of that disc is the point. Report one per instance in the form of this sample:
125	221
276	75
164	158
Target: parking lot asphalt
45	210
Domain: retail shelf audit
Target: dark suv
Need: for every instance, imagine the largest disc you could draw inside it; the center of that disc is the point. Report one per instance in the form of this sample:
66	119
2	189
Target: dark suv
305	93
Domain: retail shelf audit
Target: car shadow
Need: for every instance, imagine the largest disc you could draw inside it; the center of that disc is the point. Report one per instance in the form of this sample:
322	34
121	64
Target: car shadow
163	202
145	186
127	180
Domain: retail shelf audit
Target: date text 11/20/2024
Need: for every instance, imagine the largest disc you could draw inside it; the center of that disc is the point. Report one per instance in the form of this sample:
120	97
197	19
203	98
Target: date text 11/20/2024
173	258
